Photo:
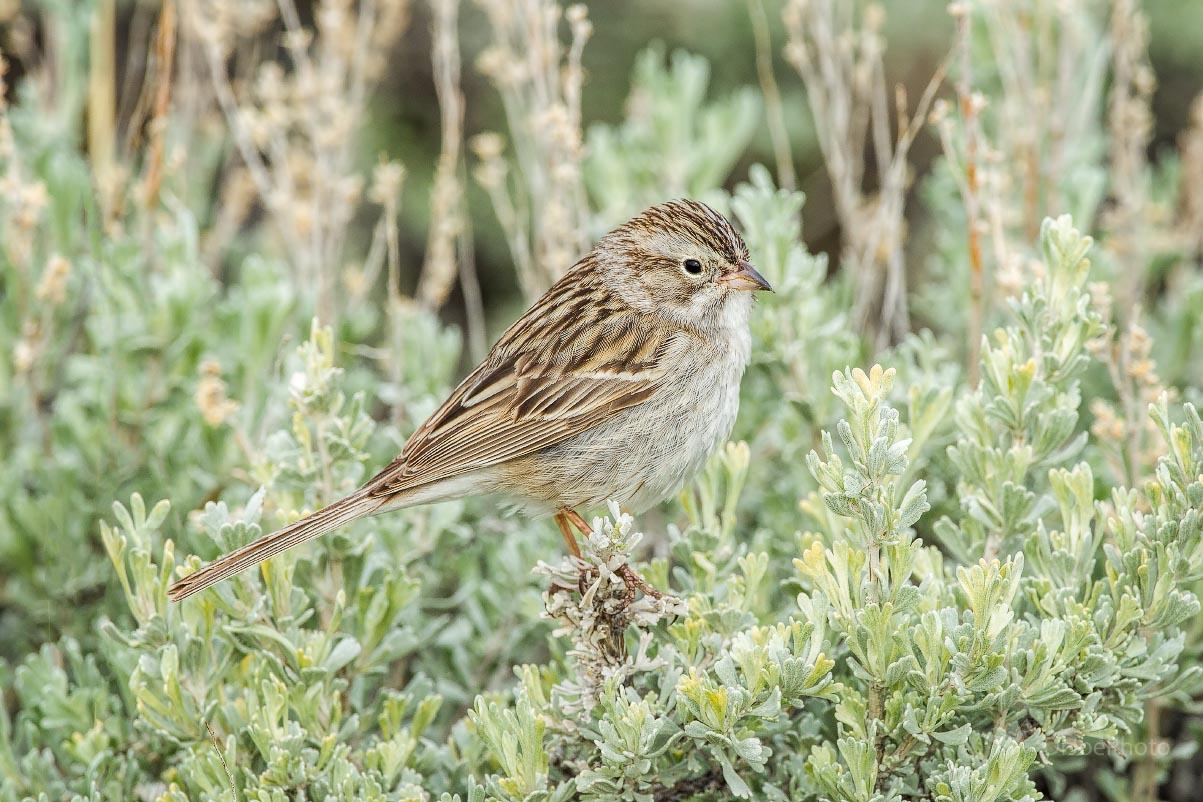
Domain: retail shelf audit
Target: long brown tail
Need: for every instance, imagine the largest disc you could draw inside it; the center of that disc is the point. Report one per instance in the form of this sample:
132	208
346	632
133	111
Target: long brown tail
356	505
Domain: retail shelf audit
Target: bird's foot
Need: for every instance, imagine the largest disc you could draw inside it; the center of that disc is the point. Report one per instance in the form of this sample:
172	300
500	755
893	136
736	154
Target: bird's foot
567	518
565	522
635	582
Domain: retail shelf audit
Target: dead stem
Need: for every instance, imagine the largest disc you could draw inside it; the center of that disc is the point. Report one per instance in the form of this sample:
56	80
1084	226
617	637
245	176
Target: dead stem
969	114
1144	781
394	301
474	310
1130	125
164	58
224	767
543	210
102	102
446	196
786	177
840	61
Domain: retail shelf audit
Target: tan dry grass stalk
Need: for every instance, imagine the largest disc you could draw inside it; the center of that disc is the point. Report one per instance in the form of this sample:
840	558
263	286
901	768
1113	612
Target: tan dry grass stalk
968	168
296	128
1129	438
1130	126
1013	144
449	247
102	102
165	58
786	176
1190	194
838	51
1051	71
543	209
447	194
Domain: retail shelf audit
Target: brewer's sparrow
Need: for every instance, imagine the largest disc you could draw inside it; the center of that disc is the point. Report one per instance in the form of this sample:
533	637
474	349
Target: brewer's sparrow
617	384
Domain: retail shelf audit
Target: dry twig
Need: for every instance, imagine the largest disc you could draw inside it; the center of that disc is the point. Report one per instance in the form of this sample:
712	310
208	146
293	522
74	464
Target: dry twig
838	54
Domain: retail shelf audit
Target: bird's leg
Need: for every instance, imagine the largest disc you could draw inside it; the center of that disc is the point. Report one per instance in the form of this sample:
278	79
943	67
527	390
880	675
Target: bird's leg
566	530
577	521
562	521
632	579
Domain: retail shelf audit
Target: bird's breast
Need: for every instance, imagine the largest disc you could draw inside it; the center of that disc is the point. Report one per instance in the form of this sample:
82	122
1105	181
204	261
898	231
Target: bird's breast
646	453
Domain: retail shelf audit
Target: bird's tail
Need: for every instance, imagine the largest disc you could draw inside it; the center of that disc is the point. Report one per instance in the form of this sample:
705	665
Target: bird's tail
356	505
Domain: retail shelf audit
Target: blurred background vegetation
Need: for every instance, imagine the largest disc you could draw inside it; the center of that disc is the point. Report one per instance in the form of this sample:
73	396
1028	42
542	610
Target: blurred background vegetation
403	123
185	186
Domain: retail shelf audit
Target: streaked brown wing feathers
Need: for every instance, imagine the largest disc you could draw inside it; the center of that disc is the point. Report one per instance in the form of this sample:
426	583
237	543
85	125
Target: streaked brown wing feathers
570	363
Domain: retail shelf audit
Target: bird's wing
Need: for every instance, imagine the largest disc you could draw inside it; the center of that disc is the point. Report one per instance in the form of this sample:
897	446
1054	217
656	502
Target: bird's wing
570	363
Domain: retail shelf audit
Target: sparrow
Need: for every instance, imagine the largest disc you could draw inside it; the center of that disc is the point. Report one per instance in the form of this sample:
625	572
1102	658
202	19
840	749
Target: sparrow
617	384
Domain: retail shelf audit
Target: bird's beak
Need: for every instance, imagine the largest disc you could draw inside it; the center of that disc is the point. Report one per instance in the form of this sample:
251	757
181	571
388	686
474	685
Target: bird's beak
745	278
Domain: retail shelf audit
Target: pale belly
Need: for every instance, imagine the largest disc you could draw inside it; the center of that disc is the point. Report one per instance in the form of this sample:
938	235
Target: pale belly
646	453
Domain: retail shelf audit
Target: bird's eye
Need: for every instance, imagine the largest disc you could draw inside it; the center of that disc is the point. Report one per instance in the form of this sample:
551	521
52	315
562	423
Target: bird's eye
692	266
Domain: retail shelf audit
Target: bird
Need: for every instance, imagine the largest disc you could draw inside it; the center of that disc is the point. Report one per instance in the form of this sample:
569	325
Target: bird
617	384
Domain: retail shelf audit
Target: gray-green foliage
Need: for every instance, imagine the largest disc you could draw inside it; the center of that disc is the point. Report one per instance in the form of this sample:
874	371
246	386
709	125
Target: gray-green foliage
802	333
93	400
893	587
373	664
324	670
1022	419
673	142
1008	663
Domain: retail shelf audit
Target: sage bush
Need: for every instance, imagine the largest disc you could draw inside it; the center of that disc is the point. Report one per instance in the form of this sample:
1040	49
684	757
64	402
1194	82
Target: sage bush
958	565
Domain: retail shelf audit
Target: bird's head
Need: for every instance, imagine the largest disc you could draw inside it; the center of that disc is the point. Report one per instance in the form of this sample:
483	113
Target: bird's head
683	260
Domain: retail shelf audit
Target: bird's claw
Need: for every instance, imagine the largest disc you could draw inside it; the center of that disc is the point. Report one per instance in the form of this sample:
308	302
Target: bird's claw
632	583
635	581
